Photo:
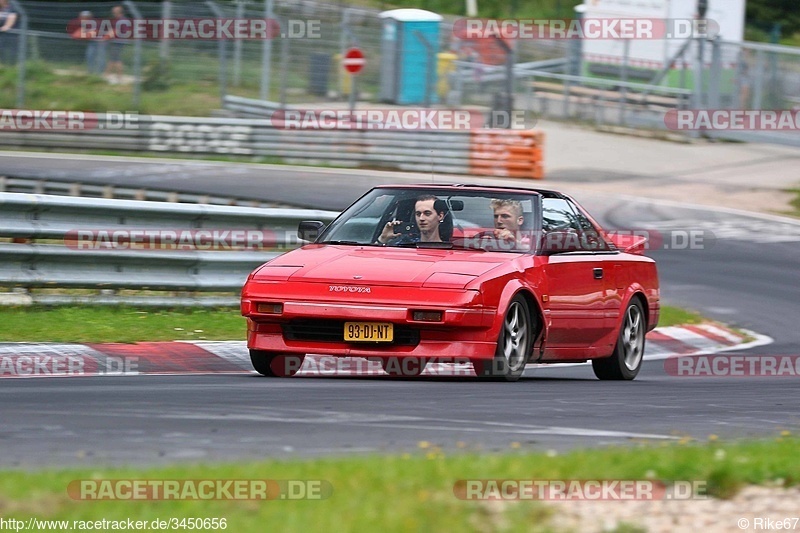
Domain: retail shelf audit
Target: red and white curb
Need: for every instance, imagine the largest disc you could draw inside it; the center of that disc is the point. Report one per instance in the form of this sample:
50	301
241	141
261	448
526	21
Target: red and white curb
27	360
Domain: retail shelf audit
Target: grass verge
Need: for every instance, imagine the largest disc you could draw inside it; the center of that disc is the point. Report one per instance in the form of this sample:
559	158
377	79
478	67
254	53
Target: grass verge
409	492
795	203
675	316
118	324
131	324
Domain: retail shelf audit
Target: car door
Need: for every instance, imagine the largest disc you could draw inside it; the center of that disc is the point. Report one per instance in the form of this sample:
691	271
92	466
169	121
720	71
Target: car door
577	281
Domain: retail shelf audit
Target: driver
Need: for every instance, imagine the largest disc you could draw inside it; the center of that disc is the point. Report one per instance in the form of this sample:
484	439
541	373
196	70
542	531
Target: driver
427	218
508	221
508	218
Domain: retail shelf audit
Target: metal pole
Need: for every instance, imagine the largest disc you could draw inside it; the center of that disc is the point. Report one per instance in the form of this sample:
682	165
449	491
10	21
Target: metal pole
575	64
223	75
701	97
758	81
459	84
353	91
137	57
343	34
284	69
237	47
714	97
22	52
623	92
166	13
430	64
266	54
509	79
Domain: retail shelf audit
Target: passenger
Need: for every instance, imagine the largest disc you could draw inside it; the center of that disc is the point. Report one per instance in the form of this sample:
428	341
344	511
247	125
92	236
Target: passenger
429	213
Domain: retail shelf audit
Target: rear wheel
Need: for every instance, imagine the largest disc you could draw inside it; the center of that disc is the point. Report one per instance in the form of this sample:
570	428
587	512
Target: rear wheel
404	367
513	345
276	365
626	361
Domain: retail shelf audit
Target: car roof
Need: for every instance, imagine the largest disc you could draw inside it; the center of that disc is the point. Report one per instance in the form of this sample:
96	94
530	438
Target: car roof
547	193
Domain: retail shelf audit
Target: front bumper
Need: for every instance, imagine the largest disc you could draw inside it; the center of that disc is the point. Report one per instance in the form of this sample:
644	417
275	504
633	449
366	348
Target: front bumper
461	334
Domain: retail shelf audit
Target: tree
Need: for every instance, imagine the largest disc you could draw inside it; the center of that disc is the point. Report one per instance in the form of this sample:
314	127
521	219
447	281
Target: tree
765	13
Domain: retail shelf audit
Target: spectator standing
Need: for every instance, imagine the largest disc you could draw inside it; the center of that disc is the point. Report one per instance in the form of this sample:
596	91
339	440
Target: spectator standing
114	47
95	49
8	40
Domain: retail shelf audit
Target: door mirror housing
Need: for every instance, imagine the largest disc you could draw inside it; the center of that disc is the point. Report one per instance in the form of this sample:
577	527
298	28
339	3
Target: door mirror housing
309	230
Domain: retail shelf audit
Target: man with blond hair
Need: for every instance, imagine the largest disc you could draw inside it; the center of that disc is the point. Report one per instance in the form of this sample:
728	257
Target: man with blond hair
508	218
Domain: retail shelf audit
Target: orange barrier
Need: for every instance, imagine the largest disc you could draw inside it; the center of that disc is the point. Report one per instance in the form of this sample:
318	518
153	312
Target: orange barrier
507	153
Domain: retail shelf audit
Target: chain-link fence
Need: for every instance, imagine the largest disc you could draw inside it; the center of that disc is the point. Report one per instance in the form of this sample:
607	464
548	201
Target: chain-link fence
550	78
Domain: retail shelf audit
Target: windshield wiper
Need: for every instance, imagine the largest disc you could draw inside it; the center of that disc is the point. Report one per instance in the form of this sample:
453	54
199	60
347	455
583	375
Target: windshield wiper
434	245
346	243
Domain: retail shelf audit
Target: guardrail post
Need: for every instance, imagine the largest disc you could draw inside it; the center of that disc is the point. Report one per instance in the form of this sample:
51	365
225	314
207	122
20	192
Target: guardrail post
22	51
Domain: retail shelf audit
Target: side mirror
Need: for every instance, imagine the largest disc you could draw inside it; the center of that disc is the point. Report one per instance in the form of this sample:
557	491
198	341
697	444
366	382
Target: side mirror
560	241
309	230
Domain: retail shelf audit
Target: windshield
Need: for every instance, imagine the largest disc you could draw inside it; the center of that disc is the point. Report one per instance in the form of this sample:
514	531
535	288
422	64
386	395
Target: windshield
438	218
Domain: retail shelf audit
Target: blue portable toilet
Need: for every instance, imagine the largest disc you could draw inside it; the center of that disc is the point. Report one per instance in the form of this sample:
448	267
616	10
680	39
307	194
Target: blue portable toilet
405	57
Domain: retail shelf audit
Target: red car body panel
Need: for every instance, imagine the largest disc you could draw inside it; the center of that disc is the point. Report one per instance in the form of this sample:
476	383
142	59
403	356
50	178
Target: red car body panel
579	315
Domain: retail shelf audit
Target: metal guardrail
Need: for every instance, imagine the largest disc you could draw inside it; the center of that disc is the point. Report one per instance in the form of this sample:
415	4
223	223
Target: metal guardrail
443	151
251	107
438	151
61	263
88	190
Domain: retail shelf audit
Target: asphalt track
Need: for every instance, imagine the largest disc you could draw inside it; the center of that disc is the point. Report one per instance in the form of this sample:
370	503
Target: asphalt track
745	275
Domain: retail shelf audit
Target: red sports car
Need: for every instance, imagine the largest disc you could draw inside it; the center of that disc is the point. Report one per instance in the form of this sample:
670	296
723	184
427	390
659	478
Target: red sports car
498	276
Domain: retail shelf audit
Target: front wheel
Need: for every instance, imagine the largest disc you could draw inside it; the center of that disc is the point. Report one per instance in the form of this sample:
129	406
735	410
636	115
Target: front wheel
626	361
276	365
513	345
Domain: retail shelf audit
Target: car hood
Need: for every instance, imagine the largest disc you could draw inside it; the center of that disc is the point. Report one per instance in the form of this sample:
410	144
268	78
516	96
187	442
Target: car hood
367	265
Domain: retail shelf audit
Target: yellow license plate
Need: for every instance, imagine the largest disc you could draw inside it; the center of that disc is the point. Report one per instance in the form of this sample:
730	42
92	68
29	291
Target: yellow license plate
368	332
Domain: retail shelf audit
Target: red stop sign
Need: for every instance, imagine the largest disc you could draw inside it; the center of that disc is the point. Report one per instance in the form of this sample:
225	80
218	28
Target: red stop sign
353	60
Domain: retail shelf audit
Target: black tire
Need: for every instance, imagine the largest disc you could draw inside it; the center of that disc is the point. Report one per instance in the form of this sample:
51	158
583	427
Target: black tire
626	361
276	365
406	367
513	345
